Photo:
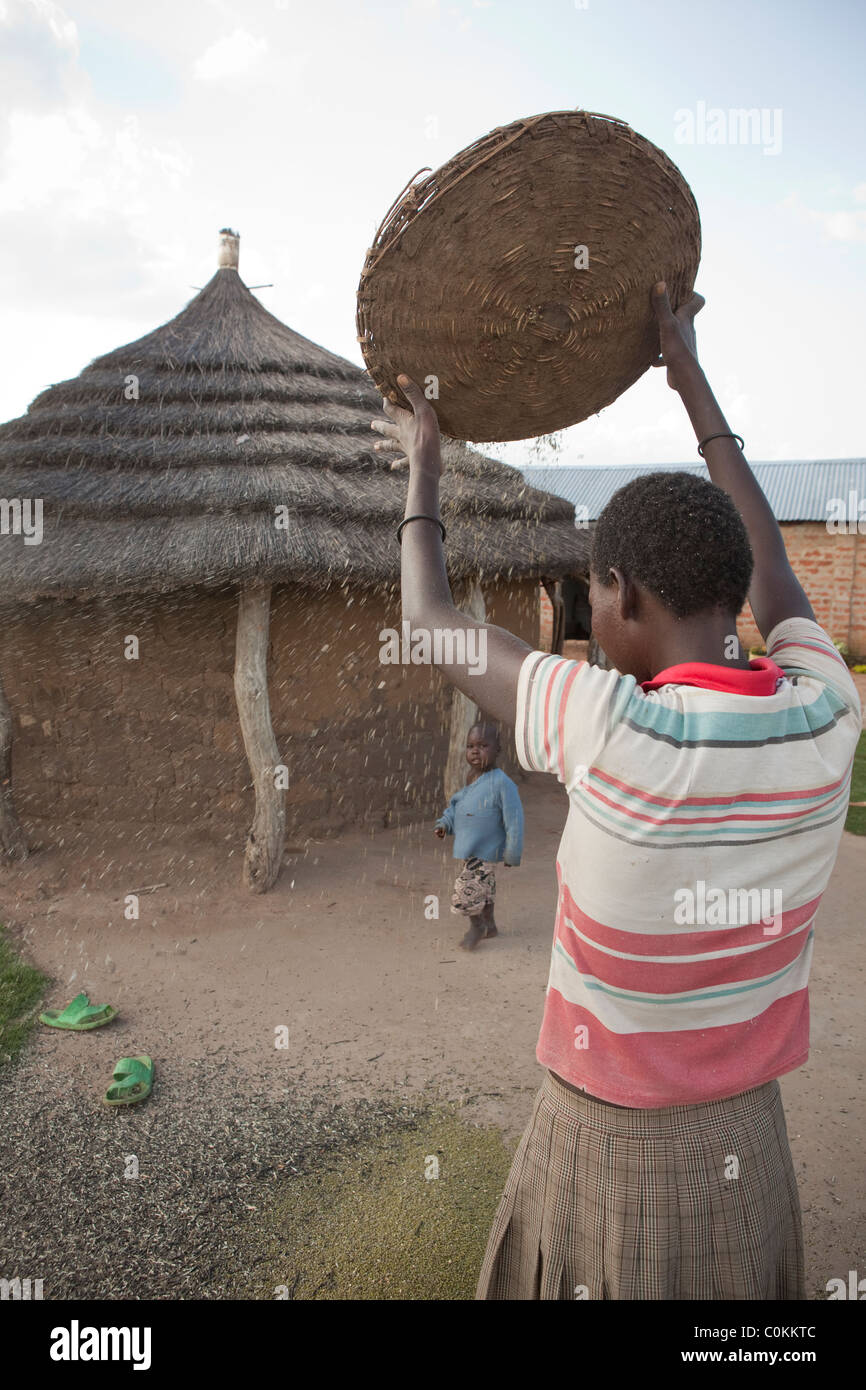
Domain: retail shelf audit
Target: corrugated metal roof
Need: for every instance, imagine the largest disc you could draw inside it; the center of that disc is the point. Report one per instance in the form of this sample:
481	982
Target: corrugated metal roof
800	490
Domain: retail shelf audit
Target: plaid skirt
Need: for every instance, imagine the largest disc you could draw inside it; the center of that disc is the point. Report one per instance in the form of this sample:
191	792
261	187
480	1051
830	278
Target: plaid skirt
474	887
688	1202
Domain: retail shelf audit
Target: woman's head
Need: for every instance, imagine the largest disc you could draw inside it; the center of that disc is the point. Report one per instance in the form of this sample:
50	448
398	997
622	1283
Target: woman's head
676	539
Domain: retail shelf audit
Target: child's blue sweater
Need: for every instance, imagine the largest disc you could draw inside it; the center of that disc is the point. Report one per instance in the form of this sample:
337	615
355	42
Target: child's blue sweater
486	819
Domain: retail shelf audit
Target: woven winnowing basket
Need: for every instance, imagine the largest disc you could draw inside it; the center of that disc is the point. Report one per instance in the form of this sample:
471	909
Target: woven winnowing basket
475	286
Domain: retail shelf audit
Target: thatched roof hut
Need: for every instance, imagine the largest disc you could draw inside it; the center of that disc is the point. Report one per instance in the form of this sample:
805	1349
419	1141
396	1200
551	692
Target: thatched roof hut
224	449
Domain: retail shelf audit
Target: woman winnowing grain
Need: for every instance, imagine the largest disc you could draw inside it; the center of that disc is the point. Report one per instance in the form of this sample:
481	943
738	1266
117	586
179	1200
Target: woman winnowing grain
656	1162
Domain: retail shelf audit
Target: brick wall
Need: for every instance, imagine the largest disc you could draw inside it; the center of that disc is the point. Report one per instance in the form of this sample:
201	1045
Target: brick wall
149	748
832	569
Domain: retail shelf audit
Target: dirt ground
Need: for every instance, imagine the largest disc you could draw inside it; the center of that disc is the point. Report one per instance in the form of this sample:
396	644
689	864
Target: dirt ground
375	998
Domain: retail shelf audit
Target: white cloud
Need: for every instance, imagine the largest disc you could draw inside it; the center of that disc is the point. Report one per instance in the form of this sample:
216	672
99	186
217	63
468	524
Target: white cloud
81	168
838	224
21	13
843	226
38	55
57	20
738	403
229	56
47	154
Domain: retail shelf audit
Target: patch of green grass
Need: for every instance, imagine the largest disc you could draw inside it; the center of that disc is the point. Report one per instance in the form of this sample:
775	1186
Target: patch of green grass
378	1223
21	990
856	819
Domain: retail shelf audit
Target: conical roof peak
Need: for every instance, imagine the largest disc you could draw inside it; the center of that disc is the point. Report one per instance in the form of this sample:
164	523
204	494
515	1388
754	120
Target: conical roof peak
226	326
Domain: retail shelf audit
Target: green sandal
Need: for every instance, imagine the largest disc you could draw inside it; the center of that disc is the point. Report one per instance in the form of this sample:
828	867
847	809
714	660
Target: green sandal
133	1081
79	1015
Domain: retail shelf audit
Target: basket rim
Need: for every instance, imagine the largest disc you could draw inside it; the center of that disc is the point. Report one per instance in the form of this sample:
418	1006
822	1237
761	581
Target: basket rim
417	197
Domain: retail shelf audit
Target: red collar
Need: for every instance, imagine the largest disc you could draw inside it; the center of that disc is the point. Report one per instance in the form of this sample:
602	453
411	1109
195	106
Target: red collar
761	678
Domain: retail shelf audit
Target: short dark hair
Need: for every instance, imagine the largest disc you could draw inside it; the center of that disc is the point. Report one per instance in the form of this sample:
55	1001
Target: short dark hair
486	727
679	536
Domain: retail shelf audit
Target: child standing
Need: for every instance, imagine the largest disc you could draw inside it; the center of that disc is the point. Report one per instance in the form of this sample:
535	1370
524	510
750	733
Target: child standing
486	819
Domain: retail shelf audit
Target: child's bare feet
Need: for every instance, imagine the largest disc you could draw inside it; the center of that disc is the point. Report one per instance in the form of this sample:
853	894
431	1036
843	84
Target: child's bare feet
477	932
481	928
487	922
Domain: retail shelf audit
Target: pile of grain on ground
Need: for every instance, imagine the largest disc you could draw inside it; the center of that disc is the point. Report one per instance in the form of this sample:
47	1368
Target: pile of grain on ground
210	1157
405	1216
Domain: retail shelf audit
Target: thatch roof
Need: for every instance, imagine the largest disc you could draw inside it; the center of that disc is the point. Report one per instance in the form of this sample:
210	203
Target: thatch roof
236	416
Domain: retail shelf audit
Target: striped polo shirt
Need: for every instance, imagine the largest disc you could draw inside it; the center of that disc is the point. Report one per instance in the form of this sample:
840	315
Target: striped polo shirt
705	813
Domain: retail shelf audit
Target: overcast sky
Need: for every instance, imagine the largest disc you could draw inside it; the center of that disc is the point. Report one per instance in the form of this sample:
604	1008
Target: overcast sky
130	133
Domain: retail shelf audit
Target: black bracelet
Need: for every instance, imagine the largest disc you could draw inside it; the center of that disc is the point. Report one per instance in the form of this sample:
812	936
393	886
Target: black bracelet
420	517
720	436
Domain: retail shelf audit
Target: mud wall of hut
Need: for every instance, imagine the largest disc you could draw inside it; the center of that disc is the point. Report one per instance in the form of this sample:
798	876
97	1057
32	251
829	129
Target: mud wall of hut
140	739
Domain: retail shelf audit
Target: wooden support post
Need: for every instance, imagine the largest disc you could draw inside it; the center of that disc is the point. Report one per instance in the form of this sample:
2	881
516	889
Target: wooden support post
267	836
464	711
553	589
12	842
